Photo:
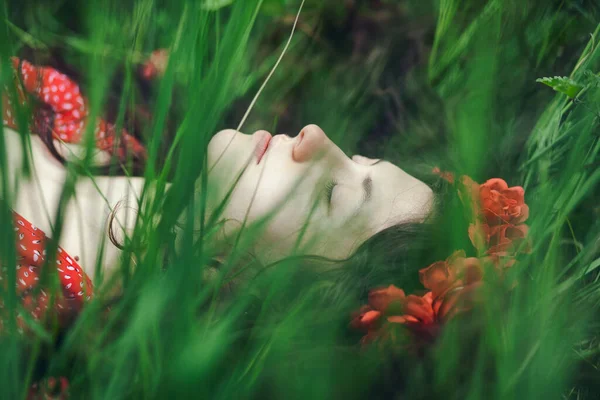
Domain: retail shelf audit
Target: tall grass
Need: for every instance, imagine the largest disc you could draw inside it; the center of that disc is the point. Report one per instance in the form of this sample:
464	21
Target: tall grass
472	106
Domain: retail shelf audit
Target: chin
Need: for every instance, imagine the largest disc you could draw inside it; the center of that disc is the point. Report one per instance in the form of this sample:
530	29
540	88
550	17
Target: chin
221	144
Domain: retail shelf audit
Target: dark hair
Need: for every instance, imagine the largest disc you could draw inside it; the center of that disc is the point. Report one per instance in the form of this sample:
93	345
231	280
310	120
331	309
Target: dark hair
394	255
391	256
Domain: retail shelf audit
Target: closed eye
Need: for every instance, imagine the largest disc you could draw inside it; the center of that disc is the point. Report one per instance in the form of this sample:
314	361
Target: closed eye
329	190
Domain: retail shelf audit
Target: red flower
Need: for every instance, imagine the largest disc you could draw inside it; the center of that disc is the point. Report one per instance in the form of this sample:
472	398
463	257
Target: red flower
495	202
369	318
390	307
501	204
508	239
448	176
501	240
156	65
448	279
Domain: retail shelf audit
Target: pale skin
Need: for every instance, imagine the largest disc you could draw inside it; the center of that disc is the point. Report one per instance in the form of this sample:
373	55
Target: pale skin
317	200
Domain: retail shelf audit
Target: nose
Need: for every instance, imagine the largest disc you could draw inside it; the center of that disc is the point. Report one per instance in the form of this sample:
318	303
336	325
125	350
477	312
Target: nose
312	143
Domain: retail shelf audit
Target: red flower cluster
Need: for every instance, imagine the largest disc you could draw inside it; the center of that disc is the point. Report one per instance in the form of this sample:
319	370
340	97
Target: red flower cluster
497	233
452	284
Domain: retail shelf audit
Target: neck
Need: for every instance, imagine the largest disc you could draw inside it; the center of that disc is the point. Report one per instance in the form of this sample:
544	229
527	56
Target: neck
86	214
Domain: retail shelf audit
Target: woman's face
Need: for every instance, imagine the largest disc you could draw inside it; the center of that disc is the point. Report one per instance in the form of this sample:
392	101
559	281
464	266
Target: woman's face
305	196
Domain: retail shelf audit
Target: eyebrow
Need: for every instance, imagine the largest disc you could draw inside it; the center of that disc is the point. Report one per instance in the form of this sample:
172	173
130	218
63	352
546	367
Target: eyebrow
367	185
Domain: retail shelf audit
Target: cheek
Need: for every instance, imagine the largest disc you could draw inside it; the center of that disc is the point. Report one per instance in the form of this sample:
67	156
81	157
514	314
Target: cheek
258	195
228	154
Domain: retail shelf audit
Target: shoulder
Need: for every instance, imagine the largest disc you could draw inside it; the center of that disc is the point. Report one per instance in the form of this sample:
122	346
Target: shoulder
37	196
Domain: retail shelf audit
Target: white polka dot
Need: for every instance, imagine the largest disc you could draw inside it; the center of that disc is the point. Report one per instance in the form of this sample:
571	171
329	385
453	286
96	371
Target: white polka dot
53	88
76	114
69	286
61	87
67	276
63	136
46	97
67	106
56	98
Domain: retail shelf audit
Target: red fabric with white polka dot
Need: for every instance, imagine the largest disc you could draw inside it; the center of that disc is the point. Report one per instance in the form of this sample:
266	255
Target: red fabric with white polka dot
70	110
76	286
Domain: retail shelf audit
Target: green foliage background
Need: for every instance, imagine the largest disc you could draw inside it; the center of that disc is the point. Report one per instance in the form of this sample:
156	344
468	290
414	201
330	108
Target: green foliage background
421	83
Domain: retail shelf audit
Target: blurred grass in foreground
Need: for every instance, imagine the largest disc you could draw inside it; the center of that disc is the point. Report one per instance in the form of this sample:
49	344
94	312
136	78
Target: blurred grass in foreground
468	101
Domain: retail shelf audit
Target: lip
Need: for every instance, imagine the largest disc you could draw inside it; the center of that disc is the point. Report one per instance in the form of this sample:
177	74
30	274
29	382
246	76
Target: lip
262	145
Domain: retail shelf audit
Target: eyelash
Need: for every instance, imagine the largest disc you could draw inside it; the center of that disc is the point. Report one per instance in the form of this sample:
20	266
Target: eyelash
329	190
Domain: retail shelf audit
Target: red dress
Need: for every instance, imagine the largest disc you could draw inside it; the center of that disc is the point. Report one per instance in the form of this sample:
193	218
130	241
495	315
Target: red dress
68	123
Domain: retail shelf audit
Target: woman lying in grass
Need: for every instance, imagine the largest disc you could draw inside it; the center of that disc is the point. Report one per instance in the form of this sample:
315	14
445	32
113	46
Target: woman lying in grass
301	195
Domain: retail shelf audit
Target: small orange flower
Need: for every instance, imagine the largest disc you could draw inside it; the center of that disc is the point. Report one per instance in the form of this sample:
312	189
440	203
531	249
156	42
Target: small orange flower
448	176
418	309
369	318
156	64
501	240
450	277
507	239
502	204
382	299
